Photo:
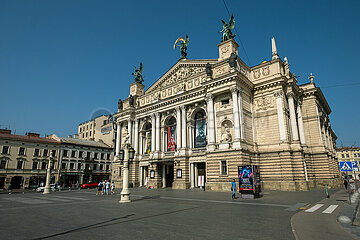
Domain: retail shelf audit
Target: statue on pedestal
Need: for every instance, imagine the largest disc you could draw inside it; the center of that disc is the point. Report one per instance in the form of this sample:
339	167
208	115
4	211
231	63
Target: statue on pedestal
120	104
226	135
183	43
226	31
138	74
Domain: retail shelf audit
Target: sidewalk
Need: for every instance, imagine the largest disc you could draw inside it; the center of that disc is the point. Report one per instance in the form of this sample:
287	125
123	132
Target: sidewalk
349	216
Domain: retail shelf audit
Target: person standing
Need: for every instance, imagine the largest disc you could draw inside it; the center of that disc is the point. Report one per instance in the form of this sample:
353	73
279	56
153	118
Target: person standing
107	186
112	188
233	188
345	183
99	188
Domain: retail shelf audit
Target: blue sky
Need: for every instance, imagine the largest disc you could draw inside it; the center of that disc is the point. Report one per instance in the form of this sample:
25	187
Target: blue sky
61	61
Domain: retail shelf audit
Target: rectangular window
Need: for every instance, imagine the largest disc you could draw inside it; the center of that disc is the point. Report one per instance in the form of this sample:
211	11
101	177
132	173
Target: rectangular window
108	156
87	166
65	152
343	155
80	154
19	164
73	153
95	155
88	155
37	152
101	166
2	164
43	165
53	153
347	155
79	166
45	152
5	150
223	168
225	102
90	134
72	166
63	166
34	166
102	156
22	151
107	167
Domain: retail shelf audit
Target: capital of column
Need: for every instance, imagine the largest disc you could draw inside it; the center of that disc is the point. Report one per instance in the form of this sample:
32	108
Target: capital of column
290	95
278	94
182	107
209	97
234	90
157	115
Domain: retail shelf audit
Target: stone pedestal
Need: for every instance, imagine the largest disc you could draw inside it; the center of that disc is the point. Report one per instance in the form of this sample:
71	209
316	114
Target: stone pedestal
137	89
226	48
224	146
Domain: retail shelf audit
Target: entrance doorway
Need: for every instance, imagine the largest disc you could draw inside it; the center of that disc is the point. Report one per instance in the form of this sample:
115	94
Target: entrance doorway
16	182
2	182
200	172
169	176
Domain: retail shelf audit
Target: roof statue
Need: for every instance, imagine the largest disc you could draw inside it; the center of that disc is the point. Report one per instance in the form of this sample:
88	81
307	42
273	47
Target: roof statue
183	43
138	74
226	31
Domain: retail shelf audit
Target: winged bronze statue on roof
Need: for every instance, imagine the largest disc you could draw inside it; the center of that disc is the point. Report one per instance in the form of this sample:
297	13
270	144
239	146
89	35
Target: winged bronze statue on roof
182	43
138	74
226	31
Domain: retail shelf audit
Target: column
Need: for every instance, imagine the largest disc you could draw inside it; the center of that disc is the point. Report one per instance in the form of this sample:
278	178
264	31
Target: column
196	174
129	130
183	124
163	175
136	136
211	121
118	140
191	145
324	134
141	144
192	175
178	128
153	132
294	129
141	176
241	115
301	125
253	119
234	92
319	123
280	113
157	137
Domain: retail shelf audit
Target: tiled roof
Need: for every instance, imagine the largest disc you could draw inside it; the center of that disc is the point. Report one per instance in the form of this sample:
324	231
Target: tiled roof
25	138
75	141
348	148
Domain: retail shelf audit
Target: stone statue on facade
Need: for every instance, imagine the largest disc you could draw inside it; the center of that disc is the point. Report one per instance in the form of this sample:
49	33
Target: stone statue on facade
120	104
183	43
138	74
208	70
233	60
226	135
226	31
131	101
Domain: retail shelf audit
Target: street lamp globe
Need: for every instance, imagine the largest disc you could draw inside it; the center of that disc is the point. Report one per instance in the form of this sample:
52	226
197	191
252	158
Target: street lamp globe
131	153
121	155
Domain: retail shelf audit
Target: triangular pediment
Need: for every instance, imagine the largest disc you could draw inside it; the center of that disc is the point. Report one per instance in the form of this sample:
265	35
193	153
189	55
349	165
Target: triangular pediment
180	72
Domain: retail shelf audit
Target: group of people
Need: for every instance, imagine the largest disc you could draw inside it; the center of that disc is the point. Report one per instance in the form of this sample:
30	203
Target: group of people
104	188
350	183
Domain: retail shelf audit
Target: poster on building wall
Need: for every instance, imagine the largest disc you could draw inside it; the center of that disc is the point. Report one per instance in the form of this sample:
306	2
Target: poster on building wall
148	143
200	133
171	142
246	180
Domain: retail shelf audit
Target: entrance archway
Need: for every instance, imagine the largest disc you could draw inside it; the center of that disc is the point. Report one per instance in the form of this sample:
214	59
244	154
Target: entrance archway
16	182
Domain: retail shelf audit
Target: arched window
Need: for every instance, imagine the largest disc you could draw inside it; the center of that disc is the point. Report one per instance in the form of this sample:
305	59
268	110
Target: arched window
171	135
200	130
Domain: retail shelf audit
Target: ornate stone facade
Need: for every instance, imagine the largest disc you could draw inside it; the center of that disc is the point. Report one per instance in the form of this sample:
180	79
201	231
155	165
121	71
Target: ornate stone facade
207	117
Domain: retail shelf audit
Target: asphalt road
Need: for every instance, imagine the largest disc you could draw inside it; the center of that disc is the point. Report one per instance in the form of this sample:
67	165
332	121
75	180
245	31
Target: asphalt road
160	214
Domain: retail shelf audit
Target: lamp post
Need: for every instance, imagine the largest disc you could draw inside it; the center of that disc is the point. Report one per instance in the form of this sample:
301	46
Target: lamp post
126	155
47	189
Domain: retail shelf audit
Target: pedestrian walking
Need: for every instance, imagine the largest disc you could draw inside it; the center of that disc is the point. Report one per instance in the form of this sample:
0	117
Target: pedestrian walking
233	189
112	188
345	183
107	187
99	188
352	185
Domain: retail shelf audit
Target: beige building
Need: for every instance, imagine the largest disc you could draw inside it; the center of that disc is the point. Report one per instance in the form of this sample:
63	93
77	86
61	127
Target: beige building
350	154
98	129
206	117
24	159
83	161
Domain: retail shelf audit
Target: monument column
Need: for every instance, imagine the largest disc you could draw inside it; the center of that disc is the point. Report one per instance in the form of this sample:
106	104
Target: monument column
280	113
157	119
153	130
178	128
183	124
294	129
234	92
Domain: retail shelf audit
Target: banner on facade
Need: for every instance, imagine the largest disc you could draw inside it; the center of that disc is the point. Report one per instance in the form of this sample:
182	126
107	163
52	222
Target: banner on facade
148	143
171	142
200	133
